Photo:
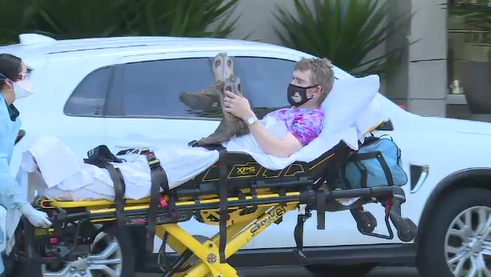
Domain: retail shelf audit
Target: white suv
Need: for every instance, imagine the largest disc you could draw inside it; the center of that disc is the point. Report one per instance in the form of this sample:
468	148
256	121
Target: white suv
123	92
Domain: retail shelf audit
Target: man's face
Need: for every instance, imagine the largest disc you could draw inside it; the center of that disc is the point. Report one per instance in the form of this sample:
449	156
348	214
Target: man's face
302	79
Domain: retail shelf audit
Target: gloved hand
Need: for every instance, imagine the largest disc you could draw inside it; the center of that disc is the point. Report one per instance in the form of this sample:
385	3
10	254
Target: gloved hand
37	218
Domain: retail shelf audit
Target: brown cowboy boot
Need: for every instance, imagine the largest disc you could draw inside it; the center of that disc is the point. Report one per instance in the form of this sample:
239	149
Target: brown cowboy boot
230	125
208	99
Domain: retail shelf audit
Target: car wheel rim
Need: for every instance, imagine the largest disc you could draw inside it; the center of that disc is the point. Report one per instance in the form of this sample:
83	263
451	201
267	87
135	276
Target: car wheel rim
104	260
468	243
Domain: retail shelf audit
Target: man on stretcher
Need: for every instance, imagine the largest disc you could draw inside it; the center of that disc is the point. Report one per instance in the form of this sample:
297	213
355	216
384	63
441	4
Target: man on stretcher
274	142
312	81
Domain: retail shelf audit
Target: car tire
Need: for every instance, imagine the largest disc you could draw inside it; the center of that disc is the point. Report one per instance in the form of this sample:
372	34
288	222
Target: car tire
432	247
124	242
324	270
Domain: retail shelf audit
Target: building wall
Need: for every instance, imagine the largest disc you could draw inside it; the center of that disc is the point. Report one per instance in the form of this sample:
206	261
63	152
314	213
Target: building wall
420	81
427	91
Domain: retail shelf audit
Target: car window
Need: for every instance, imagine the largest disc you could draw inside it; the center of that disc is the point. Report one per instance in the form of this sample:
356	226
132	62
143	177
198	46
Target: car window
151	89
90	95
264	82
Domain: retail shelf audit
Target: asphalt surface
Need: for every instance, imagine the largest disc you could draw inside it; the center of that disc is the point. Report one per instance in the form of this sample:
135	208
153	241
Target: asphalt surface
300	272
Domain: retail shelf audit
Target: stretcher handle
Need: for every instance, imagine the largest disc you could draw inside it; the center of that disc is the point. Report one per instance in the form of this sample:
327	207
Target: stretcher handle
61	215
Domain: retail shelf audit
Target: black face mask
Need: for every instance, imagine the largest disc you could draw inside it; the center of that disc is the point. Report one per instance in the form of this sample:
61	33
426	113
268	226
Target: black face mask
297	96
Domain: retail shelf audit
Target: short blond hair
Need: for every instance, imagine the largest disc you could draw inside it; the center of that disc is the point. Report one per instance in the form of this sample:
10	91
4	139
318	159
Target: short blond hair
321	74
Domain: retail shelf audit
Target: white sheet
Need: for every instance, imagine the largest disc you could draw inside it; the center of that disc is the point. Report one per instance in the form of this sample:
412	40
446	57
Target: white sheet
350	111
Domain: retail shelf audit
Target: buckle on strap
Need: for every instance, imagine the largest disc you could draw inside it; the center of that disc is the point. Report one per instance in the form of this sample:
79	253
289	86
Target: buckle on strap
152	159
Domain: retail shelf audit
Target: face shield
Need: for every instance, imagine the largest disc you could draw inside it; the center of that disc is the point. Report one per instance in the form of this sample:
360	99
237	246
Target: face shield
22	87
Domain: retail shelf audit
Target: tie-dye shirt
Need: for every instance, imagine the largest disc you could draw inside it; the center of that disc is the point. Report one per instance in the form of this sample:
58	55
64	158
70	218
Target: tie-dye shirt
302	123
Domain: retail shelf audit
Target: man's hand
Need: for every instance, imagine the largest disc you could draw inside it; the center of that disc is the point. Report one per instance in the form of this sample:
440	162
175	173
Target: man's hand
270	144
237	105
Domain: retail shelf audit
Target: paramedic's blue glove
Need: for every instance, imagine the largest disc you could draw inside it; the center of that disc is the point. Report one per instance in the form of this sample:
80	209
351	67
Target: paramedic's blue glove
37	218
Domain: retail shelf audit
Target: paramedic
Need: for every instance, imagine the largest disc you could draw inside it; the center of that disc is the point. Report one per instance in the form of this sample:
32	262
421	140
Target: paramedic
13	85
312	80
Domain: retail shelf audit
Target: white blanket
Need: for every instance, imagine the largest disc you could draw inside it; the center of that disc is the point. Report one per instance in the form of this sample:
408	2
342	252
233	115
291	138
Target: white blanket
350	111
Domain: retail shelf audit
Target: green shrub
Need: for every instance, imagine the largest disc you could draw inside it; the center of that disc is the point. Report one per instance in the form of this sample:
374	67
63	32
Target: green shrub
188	18
63	19
14	16
343	31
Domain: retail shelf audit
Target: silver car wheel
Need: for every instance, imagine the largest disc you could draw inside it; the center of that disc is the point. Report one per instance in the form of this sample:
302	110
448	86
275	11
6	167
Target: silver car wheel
468	243
107	262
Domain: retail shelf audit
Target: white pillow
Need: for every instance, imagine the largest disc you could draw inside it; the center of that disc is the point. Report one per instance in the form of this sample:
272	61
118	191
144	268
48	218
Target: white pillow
372	116
348	102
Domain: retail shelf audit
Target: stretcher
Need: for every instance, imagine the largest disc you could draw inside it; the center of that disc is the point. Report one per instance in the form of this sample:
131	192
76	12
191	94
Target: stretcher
237	194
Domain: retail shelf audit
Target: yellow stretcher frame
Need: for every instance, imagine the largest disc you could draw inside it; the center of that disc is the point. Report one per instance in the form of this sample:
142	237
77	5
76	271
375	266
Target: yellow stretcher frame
269	206
207	252
239	230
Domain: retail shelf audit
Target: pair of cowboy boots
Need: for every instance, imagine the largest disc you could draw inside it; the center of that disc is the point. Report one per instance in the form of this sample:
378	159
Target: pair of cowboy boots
208	99
211	98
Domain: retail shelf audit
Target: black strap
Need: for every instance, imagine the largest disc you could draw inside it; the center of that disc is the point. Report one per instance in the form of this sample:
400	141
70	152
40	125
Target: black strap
364	174
385	168
223	160
99	157
119	191
321	209
365	156
102	153
223	192
159	180
380	158
298	232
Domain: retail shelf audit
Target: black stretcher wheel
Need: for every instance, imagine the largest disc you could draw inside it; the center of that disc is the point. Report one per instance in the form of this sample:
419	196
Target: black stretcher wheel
407	230
366	221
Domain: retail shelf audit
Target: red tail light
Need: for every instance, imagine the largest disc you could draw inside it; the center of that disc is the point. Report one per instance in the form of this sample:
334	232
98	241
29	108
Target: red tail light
20	135
402	106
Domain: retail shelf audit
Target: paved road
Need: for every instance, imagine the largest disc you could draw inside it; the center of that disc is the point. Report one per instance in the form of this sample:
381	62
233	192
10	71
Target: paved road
300	272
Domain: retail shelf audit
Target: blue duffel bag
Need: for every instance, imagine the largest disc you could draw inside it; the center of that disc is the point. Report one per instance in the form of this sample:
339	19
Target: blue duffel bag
377	163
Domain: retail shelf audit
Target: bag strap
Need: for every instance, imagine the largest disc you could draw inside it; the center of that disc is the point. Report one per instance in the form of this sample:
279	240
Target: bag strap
380	158
385	168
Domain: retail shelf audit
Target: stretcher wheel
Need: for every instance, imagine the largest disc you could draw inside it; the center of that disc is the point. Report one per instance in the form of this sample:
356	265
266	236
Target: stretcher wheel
366	221
406	231
120	244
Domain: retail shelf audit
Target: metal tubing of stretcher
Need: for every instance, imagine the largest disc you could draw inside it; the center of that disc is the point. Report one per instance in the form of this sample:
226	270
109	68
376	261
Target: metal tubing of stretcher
270	199
234	245
142	210
207	189
362	192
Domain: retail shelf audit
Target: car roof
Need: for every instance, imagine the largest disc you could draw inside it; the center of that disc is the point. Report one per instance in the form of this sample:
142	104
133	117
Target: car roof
35	48
40	44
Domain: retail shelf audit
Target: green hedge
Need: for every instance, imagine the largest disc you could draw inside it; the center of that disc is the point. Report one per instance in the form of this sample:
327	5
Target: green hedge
100	18
345	31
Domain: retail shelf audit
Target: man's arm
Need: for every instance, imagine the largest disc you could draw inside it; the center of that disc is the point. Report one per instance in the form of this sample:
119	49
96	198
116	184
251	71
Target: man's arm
271	144
299	136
